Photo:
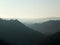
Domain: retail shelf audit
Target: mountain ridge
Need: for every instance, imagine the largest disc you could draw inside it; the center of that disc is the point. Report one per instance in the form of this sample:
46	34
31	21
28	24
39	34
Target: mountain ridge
14	32
50	26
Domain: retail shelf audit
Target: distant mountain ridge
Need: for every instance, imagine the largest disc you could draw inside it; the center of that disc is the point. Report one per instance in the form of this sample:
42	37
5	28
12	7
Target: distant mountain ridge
50	26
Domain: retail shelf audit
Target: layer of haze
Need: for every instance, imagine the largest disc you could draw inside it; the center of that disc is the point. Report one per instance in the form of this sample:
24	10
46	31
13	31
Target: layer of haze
29	9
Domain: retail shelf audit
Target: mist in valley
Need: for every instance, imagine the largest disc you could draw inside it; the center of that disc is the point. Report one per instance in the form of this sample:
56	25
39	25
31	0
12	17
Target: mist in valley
14	32
29	22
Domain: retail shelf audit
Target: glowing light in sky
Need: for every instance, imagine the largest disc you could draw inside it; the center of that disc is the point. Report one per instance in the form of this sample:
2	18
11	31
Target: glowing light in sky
29	9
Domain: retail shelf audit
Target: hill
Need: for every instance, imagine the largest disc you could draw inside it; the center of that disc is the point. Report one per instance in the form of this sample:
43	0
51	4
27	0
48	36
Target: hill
53	39
48	27
16	33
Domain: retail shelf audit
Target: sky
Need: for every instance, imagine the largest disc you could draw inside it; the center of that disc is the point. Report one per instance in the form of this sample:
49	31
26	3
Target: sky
29	9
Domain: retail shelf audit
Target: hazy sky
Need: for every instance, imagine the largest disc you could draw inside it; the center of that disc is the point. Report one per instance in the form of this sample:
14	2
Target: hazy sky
29	9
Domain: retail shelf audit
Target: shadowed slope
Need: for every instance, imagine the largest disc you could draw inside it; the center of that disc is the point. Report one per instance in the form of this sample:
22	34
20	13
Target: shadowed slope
14	32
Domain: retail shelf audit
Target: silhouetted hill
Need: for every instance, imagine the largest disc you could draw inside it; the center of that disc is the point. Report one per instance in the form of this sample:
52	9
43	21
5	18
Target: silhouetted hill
53	39
14	32
50	26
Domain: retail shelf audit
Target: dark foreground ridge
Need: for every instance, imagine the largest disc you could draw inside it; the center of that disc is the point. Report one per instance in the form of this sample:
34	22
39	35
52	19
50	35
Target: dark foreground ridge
15	33
53	39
